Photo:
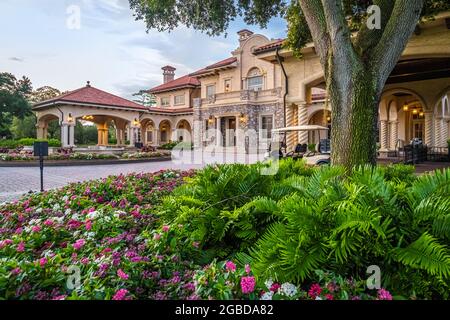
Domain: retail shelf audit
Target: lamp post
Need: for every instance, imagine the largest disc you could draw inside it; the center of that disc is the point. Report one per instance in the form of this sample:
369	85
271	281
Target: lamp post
70	120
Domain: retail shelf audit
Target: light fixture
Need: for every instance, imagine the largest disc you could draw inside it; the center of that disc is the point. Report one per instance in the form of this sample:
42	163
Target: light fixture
136	122
421	114
242	117
211	119
405	107
329	119
70	118
415	111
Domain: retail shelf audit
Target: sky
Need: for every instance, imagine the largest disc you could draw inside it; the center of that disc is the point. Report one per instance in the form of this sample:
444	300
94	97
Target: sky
44	40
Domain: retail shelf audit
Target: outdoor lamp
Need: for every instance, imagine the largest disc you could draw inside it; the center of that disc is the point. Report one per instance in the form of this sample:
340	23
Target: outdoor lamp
421	114
242	117
415	111
211	119
329	119
136	122
405	107
70	118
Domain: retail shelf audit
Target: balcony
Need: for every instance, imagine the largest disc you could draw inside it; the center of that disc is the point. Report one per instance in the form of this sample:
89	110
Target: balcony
243	96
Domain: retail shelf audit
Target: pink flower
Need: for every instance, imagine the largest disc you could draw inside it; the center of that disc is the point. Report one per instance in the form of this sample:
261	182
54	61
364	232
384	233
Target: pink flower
247	268
48	223
88	225
16	271
84	260
248	284
315	290
62	297
121	295
275	287
384	294
329	296
122	275
195	244
36	228
43	262
230	266
79	244
5	243
165	228
21	247
157	236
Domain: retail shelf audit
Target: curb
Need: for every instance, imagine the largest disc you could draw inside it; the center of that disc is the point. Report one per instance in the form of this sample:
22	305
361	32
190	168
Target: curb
73	163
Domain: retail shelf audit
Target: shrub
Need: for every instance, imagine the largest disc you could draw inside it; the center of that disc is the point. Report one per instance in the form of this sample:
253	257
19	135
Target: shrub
312	147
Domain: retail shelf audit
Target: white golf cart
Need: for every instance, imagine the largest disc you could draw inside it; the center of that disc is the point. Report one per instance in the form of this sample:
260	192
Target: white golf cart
320	156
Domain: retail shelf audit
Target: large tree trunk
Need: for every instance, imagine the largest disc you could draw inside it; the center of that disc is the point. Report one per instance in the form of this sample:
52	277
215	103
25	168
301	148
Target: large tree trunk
354	118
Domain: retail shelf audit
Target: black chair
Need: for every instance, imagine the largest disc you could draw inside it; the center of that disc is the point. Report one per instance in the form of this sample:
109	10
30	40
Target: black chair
299	151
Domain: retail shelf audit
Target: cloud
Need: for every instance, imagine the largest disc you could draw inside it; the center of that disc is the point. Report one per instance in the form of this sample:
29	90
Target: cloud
16	59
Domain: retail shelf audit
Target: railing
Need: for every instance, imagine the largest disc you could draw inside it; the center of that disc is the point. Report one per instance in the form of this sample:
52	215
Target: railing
415	154
243	95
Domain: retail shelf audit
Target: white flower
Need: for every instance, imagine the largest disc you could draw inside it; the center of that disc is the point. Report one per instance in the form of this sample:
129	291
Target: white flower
318	298
56	207
269	283
39	210
75	216
76	234
288	289
67	212
65	198
92	215
47	253
267	296
58	219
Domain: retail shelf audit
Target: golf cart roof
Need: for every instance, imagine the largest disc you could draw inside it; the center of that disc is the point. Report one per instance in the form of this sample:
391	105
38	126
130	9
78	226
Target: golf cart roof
300	128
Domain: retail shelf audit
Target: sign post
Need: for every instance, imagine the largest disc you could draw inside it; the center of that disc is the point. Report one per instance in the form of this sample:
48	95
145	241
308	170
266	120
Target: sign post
41	151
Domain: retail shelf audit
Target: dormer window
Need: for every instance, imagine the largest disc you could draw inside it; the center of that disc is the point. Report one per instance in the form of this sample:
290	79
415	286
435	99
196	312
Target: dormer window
255	80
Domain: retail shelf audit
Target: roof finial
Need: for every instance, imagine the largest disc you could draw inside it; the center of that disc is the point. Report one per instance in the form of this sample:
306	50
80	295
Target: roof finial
88	84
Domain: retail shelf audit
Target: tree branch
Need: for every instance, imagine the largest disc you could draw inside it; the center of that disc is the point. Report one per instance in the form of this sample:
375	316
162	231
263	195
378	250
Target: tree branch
315	17
398	30
367	38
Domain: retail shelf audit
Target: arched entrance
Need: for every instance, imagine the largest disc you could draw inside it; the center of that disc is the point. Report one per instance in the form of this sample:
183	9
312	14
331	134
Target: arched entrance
149	132
184	131
321	118
403	116
165	131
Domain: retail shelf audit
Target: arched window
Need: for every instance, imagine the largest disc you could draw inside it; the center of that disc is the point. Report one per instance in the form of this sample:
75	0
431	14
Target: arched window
255	80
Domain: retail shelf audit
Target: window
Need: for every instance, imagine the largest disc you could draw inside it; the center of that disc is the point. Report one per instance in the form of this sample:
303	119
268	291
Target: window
254	80
227	85
165	101
179	99
210	91
267	127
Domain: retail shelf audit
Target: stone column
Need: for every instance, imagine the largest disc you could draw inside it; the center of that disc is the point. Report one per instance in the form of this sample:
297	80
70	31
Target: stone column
393	137
438	132
291	137
40	131
383	135
64	135
155	137
303	120
428	128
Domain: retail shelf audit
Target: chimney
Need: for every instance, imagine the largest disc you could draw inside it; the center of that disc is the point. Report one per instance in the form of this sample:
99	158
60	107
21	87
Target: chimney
244	34
169	73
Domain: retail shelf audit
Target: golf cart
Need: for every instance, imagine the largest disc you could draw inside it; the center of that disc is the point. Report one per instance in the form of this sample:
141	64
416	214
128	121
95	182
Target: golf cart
320	156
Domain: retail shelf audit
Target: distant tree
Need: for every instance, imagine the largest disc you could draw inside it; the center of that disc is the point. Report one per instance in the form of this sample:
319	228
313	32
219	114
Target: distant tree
145	98
14	96
44	93
24	128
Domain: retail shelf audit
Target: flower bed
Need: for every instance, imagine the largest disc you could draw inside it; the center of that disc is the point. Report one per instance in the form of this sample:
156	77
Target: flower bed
101	229
28	156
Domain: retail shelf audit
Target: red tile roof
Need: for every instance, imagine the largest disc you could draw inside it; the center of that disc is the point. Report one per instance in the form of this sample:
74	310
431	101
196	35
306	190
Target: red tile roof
183	82
270	46
170	111
92	96
222	63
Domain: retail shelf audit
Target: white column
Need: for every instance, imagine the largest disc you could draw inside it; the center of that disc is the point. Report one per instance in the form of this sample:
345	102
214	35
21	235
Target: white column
40	132
437	132
71	128
132	136
64	135
303	120
393	137
428	129
218	132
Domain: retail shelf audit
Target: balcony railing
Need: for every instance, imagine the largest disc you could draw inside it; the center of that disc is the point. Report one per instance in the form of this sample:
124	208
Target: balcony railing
240	96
